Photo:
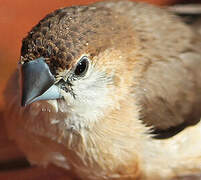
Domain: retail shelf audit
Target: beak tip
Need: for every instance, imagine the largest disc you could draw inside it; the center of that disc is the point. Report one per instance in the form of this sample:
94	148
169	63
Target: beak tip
24	102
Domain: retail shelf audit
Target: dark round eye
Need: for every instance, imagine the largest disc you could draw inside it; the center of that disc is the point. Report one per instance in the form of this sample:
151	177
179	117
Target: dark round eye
82	66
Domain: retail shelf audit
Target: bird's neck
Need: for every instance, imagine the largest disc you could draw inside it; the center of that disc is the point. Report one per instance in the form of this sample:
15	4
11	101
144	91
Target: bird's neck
113	143
114	146
120	145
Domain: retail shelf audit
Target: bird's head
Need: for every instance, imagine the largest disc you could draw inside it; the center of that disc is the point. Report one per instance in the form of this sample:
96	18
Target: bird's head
77	60
76	78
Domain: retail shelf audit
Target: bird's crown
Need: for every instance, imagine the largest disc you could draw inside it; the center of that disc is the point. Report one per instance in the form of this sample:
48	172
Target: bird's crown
64	35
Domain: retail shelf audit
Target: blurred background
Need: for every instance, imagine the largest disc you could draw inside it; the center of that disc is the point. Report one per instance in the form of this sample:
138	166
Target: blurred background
17	17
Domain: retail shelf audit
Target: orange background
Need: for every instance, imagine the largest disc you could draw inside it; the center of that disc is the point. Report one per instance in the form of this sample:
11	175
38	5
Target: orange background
17	17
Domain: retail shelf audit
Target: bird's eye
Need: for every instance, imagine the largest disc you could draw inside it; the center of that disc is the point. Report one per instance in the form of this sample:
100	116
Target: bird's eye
82	66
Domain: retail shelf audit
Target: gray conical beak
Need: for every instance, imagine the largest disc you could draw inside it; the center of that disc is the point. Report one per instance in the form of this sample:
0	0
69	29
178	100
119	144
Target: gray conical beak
37	82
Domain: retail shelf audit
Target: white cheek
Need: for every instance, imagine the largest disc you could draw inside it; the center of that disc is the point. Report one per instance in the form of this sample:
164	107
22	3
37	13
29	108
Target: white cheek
91	97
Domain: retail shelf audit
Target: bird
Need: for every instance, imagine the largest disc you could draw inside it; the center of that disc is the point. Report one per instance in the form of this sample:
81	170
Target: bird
109	90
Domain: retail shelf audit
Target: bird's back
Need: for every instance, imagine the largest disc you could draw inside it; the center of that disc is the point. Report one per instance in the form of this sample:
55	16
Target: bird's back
169	61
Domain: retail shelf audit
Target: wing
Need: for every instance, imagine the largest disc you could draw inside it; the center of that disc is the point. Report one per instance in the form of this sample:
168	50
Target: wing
167	77
169	93
170	87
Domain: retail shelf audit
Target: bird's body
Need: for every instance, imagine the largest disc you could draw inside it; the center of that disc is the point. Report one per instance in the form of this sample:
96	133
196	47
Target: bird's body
122	69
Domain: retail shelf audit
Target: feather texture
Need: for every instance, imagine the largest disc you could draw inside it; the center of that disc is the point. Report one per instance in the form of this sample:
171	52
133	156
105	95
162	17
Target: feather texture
143	75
